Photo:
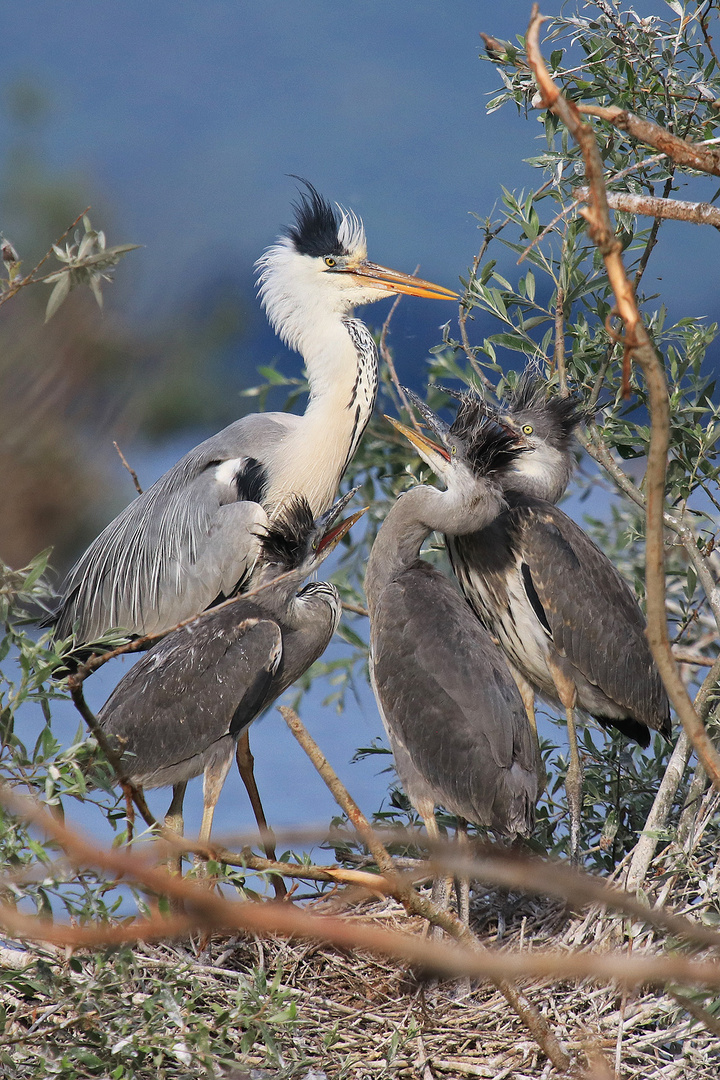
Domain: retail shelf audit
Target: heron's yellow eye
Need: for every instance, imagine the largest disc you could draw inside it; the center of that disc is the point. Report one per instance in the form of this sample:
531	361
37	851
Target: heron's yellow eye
314	545
527	429
330	261
453	449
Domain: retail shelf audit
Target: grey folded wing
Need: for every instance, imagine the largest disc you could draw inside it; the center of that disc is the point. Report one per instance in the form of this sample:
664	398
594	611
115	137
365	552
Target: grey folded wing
448	694
591	612
187	540
201	684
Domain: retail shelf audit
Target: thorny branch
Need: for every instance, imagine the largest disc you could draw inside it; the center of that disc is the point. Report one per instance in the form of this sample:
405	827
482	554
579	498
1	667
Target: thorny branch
637	345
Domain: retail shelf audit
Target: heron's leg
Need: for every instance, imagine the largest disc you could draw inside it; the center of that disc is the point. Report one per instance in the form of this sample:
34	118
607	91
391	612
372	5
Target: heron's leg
213	779
462	883
574	779
174	821
527	694
574	786
440	889
245	764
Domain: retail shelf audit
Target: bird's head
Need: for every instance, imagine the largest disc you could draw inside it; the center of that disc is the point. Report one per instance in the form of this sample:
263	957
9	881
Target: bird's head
547	423
476	448
295	541
320	268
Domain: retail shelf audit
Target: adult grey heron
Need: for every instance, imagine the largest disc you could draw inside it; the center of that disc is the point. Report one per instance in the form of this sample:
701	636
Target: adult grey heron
452	711
180	710
568	623
190	540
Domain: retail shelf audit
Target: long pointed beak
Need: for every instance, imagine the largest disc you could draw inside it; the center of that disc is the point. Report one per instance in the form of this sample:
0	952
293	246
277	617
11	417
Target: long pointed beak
394	281
332	538
436	456
331	515
441	429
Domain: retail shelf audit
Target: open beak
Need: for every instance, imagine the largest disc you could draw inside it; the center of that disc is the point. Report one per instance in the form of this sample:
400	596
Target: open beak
332	538
436	456
394	281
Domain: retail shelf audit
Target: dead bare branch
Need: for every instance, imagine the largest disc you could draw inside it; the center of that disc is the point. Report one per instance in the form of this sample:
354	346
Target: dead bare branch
697	213
690	155
129	468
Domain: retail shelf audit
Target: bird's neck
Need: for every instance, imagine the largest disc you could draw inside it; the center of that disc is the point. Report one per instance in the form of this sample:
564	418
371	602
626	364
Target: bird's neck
543	474
415	515
342	367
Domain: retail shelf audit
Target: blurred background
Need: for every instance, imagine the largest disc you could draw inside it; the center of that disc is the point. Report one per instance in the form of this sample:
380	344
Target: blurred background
179	125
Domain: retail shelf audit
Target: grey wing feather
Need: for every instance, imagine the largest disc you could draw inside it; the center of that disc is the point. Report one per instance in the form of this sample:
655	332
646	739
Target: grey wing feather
593	615
197	686
447	693
184	541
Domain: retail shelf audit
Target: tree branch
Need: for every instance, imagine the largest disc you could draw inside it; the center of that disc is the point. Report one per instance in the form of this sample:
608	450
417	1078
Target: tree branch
637	345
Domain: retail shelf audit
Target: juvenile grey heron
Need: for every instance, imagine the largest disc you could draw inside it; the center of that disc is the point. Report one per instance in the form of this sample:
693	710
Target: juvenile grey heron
547	423
567	621
452	711
180	710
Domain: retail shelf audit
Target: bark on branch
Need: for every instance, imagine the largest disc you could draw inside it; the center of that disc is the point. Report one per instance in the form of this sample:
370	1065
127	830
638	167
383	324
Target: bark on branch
697	213
691	155
637	345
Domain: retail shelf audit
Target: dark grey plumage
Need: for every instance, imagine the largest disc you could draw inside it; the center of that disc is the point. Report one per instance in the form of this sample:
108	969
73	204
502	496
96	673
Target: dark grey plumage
551	597
568	623
453	714
179	711
547	592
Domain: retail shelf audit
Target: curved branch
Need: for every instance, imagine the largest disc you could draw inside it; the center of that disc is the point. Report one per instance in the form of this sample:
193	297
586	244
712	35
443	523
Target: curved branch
637	346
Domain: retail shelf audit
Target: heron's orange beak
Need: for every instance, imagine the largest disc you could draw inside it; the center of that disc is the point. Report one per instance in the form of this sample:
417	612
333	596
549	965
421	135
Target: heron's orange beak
394	281
332	538
428	450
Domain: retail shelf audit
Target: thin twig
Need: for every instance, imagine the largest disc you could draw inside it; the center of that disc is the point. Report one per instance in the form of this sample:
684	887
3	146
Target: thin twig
354	608
30	278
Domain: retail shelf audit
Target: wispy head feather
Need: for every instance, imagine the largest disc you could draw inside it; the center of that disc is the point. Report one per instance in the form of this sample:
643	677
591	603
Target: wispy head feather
285	541
471	414
491	449
351	234
532	394
317	226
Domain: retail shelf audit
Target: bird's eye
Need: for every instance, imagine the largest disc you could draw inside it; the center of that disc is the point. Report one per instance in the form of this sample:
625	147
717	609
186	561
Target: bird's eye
330	261
527	429
453	449
314	545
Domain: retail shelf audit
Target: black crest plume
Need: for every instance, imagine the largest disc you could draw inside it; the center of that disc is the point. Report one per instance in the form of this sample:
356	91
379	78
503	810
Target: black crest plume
472	412
285	541
315	231
531	393
489	447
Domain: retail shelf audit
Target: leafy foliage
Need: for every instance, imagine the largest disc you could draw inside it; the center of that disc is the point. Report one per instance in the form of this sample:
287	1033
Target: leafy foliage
556	313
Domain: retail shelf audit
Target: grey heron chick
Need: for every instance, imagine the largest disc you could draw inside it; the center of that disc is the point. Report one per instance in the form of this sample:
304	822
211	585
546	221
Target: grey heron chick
180	710
191	539
567	621
453	714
